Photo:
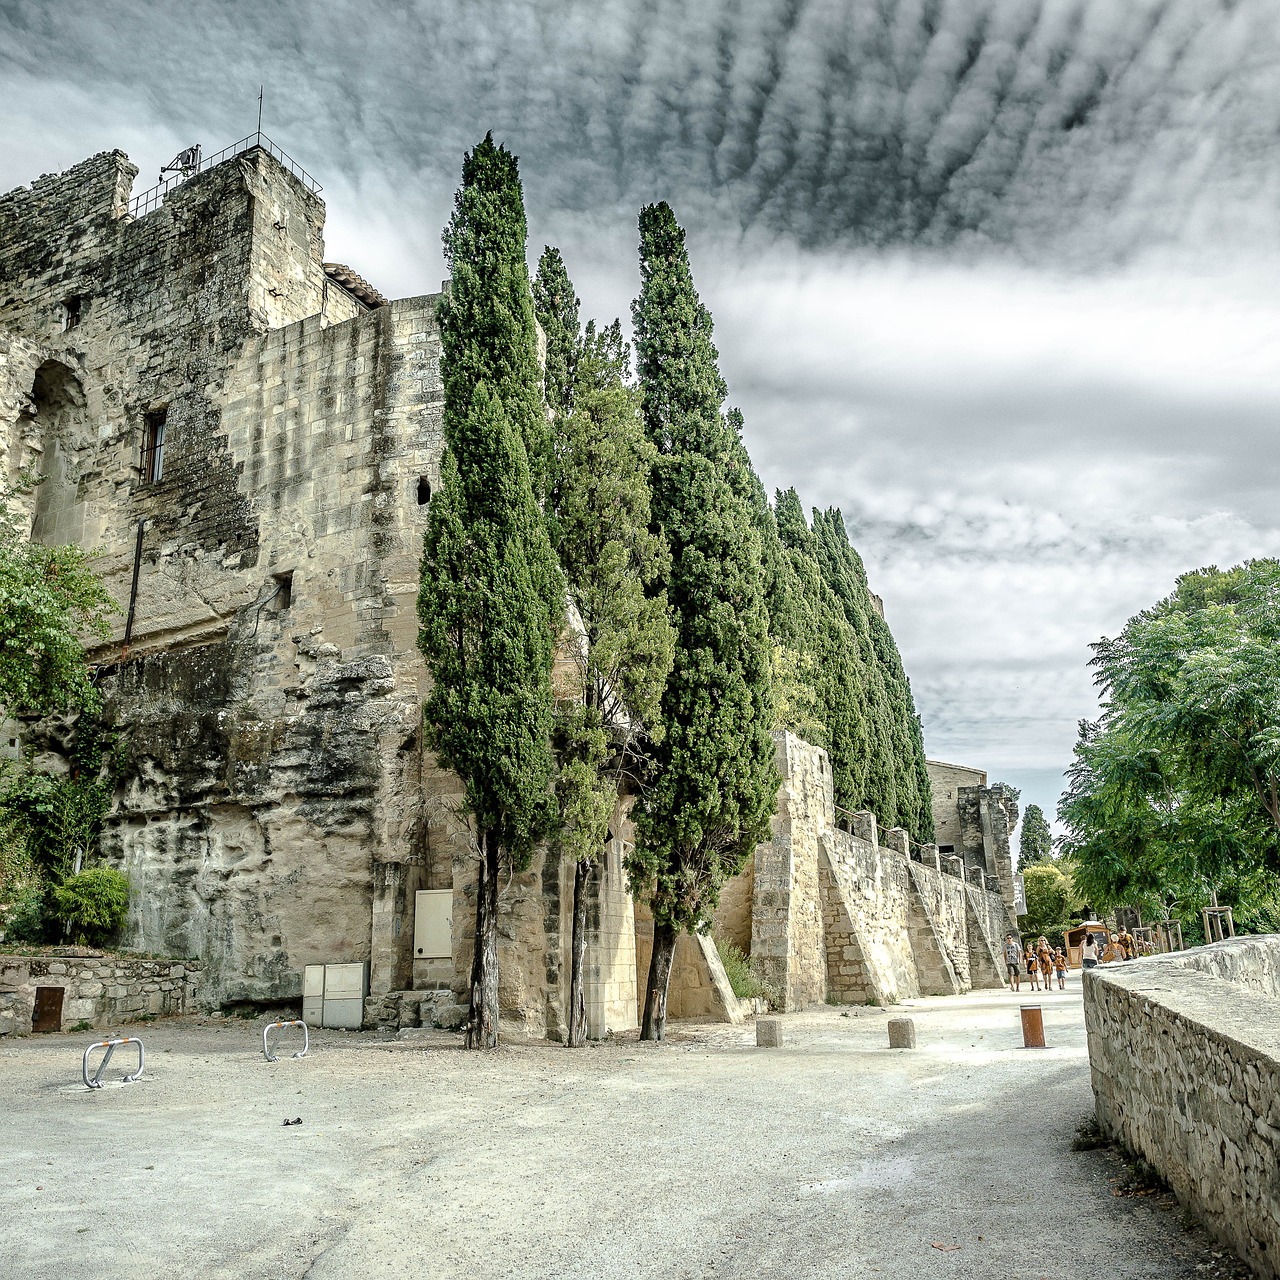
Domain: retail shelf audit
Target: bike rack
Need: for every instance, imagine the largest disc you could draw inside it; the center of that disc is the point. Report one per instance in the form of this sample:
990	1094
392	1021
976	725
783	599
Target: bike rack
110	1046
288	1022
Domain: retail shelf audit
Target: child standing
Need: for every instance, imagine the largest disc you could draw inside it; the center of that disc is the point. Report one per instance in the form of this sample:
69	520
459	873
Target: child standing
1060	968
1033	969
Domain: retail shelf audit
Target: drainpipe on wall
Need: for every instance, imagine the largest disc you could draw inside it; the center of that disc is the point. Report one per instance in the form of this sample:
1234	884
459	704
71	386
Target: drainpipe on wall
133	591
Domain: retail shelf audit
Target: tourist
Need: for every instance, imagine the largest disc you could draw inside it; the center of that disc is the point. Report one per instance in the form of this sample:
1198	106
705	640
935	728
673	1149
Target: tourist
1128	945
1089	952
1044	953
1033	967
1060	968
1013	960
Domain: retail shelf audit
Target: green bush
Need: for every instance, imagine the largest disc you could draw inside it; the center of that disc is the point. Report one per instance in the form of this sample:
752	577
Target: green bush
744	975
27	916
92	905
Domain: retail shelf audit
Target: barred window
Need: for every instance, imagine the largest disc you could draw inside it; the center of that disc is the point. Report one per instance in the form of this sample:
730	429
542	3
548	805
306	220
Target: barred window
153	446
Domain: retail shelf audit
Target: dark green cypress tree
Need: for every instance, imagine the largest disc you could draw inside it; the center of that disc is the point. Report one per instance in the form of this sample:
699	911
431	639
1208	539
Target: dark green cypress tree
491	598
557	309
1035	844
897	786
614	563
715	783
491	287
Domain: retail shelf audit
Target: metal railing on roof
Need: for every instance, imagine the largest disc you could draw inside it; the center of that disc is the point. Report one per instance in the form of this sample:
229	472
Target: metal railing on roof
154	198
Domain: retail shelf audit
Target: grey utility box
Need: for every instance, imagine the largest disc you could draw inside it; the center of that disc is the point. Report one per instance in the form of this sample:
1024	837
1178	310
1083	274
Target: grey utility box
333	995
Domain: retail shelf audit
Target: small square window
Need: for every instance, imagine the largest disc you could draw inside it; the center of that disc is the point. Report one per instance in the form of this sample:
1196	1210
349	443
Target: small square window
153	446
283	597
72	309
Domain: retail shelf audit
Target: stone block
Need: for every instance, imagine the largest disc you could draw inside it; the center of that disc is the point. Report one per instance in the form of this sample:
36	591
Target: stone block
768	1033
902	1033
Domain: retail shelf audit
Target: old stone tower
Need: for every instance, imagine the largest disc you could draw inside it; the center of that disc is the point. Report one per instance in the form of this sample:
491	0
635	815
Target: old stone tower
251	436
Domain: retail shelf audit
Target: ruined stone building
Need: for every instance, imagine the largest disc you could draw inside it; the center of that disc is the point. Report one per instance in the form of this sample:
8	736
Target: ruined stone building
251	436
974	822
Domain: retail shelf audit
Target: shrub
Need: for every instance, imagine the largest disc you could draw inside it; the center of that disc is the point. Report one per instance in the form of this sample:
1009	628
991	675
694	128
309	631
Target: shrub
92	905
28	916
744	975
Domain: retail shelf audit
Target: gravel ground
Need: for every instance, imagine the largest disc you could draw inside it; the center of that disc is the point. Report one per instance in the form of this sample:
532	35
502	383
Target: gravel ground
830	1157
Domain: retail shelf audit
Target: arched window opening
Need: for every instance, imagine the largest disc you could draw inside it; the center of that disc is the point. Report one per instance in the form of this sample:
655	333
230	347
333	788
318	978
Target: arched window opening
424	491
58	435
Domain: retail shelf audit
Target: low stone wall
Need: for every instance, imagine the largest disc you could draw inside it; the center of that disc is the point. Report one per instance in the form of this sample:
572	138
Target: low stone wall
1185	1057
102	990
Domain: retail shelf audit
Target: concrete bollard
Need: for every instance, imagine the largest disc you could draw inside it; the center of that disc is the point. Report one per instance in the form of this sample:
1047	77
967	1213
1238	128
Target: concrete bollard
902	1033
768	1033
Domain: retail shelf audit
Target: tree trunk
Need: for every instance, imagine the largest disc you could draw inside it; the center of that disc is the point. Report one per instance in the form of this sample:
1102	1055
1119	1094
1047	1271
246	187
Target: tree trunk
578	956
482	1027
655	999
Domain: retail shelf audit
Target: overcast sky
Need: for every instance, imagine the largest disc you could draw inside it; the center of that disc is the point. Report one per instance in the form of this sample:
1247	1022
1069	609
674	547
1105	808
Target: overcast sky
996	277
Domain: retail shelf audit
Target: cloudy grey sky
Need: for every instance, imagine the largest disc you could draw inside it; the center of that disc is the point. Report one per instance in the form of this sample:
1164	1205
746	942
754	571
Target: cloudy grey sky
997	277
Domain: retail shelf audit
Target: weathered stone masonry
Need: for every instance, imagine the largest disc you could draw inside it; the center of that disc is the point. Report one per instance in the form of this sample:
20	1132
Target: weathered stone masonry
1185	1057
838	915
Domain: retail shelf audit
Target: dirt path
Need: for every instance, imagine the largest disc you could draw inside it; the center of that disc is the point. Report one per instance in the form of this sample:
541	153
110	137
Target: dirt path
830	1157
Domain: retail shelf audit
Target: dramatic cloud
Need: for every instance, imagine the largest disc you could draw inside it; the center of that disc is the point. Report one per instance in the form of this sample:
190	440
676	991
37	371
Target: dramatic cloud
997	277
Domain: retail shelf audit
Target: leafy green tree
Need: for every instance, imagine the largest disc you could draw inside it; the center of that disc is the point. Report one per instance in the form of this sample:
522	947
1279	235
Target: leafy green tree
557	309
614	565
715	782
491	599
1051	903
1170	801
50	601
1035	843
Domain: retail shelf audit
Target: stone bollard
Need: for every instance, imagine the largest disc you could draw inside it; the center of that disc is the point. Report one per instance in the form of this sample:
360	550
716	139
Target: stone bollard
902	1033
768	1033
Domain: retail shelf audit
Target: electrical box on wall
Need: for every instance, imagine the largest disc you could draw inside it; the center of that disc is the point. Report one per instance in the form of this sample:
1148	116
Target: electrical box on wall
313	995
433	924
333	995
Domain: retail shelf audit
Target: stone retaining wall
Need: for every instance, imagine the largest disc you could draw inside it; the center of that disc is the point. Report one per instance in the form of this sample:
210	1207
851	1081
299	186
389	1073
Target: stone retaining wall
1185	1056
102	990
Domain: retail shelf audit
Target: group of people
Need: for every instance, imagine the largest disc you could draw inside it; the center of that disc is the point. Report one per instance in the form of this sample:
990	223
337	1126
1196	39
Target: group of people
1040	962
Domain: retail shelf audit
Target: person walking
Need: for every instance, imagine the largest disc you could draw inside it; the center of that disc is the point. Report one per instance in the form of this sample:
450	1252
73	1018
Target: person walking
1128	944
1033	967
1089	952
1060	968
1013	960
1044	954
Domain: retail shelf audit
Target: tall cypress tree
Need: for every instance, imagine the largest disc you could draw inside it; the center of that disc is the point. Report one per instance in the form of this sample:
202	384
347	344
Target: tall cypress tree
614	564
715	783
557	309
492	595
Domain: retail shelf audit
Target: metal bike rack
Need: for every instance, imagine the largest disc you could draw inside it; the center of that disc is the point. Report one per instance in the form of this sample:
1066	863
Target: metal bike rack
110	1046
289	1022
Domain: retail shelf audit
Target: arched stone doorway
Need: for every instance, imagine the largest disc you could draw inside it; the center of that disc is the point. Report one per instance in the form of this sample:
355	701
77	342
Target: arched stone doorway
59	429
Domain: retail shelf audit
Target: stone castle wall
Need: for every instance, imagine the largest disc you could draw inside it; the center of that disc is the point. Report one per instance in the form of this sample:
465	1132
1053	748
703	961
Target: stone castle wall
277	808
1184	1051
837	915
